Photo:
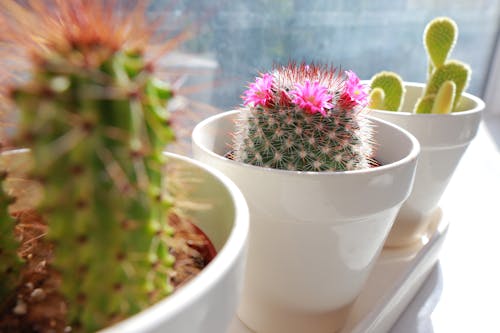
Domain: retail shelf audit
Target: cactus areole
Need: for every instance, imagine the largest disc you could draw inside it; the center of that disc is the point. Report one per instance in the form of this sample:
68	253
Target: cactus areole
94	116
305	117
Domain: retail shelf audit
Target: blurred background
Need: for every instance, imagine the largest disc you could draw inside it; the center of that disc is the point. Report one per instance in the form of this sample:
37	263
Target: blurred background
233	40
237	39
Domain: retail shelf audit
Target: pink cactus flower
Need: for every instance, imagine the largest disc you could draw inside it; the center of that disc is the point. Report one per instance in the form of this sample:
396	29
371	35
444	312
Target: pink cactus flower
346	102
312	97
357	91
259	92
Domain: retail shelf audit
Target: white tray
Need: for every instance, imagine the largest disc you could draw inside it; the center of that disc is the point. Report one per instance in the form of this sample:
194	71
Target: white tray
396	278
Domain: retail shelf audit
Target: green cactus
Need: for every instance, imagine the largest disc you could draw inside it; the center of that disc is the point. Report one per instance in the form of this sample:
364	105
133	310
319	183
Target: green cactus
440	37
10	262
377	96
424	104
452	70
440	96
309	121
444	98
438	103
94	117
393	91
99	157
447	79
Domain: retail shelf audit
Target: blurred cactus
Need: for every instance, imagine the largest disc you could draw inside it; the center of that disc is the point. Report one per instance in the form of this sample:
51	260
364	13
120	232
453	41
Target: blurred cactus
306	118
387	91
424	105
94	117
447	79
10	262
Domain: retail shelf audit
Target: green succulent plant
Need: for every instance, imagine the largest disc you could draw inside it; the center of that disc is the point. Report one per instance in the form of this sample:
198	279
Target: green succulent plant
387	91
305	118
93	115
447	79
9	260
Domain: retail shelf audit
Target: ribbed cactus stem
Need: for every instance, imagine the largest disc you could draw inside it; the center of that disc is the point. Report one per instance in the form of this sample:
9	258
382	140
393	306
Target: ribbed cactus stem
98	136
10	263
393	88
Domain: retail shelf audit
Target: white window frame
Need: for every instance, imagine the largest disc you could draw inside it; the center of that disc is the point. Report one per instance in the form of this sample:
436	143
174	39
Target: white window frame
492	91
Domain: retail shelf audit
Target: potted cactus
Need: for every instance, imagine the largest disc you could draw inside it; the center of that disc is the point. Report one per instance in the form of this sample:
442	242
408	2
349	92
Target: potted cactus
96	231
323	182
442	117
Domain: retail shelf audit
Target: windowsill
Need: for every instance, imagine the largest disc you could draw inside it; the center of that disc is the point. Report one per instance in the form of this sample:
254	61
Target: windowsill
462	292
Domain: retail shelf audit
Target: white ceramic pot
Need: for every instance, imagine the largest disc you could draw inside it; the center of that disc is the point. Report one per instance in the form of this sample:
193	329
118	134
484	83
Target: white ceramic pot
314	236
208	302
443	139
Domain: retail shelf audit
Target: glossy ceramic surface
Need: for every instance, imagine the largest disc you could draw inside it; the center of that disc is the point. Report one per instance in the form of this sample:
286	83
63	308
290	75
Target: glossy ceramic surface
208	302
443	139
394	281
314	237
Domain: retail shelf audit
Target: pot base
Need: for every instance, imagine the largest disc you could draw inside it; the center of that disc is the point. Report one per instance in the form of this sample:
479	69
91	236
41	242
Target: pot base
394	281
267	318
408	230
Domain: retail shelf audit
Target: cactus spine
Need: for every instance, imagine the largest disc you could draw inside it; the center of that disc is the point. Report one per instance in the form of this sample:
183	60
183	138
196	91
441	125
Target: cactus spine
306	118
447	79
95	119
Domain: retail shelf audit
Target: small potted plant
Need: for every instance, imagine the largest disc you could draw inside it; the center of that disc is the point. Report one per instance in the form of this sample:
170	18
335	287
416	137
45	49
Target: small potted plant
323	182
94	227
441	116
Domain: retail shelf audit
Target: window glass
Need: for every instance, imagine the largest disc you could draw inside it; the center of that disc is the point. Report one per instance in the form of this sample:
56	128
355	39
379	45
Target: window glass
238	38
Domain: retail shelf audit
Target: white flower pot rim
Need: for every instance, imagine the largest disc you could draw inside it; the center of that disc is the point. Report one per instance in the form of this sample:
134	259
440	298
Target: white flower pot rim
339	210
412	155
479	105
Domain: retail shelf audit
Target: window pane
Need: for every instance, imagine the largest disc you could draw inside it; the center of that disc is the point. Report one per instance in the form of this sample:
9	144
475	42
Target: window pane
239	38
